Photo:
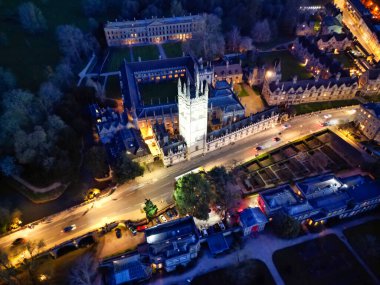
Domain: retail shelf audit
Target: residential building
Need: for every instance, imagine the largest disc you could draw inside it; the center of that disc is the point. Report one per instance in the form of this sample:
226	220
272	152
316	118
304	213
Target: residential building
362	24
369	82
311	90
173	243
252	220
155	30
368	120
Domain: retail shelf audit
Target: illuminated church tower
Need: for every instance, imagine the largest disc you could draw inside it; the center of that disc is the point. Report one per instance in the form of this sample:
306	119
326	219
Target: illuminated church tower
192	109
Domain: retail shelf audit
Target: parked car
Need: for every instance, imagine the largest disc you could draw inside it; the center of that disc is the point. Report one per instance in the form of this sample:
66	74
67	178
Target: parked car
259	148
327	116
163	218
118	232
276	139
221	225
69	228
204	233
169	213
142	228
157	220
133	230
19	241
175	211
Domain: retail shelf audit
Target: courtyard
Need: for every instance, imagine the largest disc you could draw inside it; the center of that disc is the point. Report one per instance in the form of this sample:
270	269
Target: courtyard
146	52
115	59
249	98
290	66
162	92
173	49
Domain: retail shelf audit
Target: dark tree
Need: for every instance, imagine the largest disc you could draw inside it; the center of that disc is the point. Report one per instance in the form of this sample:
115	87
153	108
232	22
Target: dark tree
285	226
125	169
95	160
193	195
31	18
7	80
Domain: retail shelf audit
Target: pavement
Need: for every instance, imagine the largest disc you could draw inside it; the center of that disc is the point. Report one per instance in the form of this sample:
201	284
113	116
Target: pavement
262	247
127	201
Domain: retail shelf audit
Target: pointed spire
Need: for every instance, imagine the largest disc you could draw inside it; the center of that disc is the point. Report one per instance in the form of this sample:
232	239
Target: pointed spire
206	89
179	86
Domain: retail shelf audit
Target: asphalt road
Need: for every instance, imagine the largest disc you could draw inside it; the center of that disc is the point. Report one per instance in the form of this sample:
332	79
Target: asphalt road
127	200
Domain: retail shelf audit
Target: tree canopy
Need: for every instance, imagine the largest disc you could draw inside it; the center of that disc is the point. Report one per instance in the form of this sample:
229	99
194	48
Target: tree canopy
31	18
150	209
125	169
285	226
193	195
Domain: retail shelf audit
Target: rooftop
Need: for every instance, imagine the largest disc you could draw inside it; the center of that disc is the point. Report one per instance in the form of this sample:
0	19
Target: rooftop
374	107
319	186
252	216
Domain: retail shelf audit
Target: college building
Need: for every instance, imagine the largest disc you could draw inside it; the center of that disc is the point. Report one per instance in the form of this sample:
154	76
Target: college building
368	120
155	30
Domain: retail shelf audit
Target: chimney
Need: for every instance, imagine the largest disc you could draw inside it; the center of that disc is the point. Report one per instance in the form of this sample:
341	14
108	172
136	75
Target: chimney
316	78
337	76
295	79
277	80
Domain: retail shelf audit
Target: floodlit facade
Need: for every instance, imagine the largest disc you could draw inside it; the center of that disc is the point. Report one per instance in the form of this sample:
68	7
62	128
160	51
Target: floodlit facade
155	30
368	120
193	110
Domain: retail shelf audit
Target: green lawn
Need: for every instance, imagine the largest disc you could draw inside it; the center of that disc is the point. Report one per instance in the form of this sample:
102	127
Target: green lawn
32	57
149	52
324	260
365	239
113	87
252	271
173	49
318	106
290	66
344	59
158	93
240	90
116	57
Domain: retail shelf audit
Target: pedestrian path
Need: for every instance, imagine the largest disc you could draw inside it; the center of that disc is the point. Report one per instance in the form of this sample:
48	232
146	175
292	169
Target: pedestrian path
162	51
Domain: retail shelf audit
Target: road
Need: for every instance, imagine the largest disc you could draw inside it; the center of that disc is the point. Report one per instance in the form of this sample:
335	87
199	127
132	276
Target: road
127	200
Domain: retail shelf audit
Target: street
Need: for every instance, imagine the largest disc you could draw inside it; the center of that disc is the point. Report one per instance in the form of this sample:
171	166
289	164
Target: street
127	200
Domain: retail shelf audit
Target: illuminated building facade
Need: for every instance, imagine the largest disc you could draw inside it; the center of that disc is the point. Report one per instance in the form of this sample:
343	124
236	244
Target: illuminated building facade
368	120
154	30
362	23
311	90
369	82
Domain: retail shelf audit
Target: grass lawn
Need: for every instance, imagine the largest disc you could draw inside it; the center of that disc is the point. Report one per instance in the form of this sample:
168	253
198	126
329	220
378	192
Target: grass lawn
158	93
365	240
373	98
116	57
290	66
252	271
240	90
344	59
324	260
149	52
113	87
275	42
32	57
318	106
172	49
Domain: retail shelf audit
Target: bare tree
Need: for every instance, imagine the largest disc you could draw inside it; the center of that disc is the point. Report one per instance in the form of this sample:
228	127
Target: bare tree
84	272
31	18
261	32
234	39
245	44
8	272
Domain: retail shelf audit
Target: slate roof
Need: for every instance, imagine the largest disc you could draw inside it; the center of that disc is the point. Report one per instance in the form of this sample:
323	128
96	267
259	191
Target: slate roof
308	84
319	185
217	243
152	22
172	238
366	15
338	37
223	97
252	216
373	74
128	270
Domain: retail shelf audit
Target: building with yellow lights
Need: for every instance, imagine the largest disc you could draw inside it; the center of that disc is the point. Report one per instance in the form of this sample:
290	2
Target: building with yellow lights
155	30
369	82
362	24
311	90
368	120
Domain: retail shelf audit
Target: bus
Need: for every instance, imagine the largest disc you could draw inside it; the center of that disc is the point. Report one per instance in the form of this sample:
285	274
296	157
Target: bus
196	170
